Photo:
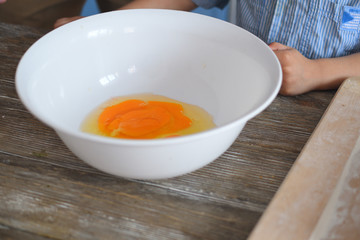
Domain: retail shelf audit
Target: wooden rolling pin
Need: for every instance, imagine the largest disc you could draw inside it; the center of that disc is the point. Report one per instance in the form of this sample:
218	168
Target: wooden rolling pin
302	209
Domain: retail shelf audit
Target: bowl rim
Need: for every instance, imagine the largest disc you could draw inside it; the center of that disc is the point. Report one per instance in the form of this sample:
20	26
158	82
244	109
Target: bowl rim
148	142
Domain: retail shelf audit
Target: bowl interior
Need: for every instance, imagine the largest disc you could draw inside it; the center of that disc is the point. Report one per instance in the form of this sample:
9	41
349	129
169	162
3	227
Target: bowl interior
185	56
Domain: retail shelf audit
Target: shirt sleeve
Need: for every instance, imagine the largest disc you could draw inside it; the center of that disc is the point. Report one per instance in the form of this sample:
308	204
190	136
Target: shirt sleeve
211	3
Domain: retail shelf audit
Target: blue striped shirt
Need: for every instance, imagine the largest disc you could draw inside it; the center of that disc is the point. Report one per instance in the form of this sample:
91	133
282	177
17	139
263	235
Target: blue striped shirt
316	28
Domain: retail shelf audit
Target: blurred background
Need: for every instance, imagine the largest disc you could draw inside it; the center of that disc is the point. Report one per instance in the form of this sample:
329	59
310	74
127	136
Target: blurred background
91	8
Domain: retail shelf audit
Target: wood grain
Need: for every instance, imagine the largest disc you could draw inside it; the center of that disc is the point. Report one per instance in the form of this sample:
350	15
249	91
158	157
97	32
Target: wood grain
301	199
341	216
48	193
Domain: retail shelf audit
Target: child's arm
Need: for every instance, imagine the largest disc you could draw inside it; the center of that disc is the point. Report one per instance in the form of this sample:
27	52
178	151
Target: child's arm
185	5
301	74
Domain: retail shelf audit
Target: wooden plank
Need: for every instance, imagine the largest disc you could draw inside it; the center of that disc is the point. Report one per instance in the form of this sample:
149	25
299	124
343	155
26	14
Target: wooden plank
341	216
67	204
9	233
297	206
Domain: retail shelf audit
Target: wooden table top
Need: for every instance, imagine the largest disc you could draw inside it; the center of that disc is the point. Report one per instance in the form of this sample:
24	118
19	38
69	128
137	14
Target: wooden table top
48	193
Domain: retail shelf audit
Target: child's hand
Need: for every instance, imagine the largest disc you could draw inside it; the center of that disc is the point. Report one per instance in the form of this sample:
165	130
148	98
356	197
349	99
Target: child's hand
2	1
63	21
298	71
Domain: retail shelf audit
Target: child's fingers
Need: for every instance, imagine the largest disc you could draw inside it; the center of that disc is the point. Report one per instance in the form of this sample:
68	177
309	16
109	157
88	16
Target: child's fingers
63	21
60	22
275	46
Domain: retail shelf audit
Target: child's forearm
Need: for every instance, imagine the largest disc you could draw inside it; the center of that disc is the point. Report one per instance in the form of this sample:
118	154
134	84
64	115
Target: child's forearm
333	71
185	5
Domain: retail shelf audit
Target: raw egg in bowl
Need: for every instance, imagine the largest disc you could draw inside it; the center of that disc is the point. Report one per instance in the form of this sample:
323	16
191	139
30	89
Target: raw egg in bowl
141	79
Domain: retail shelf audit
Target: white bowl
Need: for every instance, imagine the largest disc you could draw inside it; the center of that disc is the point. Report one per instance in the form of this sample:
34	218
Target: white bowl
185	56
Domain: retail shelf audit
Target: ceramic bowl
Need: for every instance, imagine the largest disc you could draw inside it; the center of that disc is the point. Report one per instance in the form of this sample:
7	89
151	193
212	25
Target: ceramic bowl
192	58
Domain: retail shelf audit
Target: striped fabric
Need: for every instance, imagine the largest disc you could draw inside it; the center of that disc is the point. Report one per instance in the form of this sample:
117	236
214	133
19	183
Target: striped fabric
316	28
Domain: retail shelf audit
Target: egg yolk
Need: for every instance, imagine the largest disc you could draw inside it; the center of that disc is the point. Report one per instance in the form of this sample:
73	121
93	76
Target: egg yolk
137	119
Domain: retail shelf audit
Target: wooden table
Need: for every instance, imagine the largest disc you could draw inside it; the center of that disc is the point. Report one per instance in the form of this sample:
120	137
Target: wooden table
48	193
